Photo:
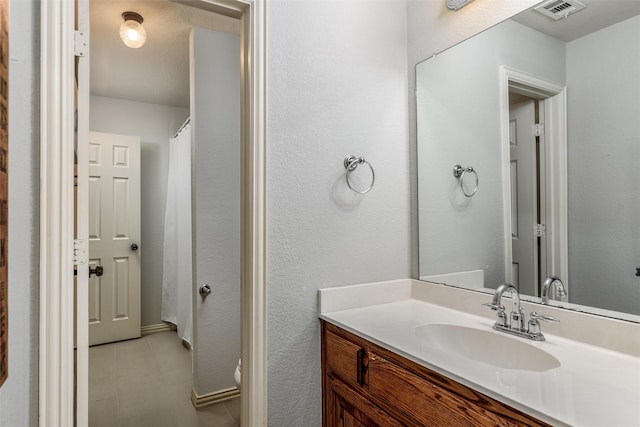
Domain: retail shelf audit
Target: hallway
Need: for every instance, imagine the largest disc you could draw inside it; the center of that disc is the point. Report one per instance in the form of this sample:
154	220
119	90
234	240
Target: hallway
147	382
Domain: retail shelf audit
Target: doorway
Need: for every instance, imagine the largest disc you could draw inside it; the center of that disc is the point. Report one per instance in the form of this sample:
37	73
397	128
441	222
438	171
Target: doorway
533	116
58	250
187	72
527	173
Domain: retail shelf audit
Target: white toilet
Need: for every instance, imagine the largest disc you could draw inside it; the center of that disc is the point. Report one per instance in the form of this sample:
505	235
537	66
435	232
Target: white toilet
237	375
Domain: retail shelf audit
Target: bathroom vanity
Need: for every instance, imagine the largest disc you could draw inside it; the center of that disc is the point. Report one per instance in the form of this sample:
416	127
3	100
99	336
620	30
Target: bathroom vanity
407	352
365	384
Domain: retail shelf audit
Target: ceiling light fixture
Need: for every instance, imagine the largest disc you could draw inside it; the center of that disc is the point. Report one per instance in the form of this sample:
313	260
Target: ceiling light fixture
132	32
457	4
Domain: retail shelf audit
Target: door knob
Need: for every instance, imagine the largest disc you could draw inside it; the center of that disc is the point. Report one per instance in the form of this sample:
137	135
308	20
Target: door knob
134	247
204	290
98	271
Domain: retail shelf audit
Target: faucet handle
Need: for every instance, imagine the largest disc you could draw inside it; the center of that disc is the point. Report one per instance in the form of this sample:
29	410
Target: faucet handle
537	316
534	323
502	317
494	307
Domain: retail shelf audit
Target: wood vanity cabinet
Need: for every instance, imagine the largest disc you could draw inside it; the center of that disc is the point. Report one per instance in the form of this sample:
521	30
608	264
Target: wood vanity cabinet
366	385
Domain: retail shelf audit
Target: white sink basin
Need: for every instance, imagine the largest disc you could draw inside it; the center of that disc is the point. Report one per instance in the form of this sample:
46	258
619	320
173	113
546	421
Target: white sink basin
491	347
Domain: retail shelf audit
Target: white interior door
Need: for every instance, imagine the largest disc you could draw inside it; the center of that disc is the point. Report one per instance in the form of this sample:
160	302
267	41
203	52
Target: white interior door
523	175
114	237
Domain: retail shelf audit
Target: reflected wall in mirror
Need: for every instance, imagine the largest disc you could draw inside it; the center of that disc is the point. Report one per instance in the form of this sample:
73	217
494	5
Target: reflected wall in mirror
558	198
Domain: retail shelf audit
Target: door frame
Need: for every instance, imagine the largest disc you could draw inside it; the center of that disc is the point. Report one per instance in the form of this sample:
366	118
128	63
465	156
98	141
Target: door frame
57	213
554	100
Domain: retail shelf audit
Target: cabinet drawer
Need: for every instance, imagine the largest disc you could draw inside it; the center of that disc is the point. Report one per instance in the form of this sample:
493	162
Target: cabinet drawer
425	403
344	359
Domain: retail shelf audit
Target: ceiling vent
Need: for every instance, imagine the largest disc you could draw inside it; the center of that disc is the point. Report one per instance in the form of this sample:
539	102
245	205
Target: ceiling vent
558	9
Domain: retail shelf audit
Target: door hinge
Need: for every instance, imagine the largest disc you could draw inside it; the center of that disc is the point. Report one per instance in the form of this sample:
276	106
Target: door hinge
80	252
538	129
540	230
80	43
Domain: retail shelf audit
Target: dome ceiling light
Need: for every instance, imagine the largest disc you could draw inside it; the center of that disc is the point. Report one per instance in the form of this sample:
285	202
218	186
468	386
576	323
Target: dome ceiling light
132	32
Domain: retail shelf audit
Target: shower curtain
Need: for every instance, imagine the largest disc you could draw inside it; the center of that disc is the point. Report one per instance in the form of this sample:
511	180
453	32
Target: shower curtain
177	286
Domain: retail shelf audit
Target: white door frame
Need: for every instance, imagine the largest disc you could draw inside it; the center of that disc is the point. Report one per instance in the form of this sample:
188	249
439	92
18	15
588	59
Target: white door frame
555	136
56	358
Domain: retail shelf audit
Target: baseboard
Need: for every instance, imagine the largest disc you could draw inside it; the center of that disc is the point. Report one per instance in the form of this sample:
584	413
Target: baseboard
215	397
160	327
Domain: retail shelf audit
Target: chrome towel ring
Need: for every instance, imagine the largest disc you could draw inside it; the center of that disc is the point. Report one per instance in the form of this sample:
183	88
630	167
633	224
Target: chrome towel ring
459	172
351	162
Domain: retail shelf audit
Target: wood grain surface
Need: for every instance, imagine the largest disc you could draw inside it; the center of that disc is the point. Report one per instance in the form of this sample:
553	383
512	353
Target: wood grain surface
407	392
4	190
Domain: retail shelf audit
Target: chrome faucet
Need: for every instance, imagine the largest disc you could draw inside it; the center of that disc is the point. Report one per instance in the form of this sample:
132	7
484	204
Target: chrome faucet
551	282
515	325
517	315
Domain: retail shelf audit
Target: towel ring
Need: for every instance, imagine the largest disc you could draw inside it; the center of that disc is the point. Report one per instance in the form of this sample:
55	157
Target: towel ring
459	172
351	162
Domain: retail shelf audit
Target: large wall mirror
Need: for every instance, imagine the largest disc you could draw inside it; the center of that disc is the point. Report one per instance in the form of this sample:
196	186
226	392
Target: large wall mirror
528	146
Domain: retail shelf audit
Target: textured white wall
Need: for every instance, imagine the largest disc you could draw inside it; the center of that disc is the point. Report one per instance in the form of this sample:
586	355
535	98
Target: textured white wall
19	394
336	85
603	74
432	28
154	124
215	106
458	117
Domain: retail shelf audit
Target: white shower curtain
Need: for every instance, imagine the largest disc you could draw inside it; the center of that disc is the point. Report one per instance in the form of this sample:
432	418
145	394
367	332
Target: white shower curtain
177	286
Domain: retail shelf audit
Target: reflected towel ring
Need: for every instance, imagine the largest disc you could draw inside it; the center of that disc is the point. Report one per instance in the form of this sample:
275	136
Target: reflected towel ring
351	162
459	172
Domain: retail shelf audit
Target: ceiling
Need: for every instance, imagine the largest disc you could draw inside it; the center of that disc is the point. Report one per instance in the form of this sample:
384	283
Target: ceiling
158	72
597	15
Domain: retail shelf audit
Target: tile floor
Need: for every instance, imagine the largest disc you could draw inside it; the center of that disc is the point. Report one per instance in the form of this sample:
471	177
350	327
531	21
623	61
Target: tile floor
147	382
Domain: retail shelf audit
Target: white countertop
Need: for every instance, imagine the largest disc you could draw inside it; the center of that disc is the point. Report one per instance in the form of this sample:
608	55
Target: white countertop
593	386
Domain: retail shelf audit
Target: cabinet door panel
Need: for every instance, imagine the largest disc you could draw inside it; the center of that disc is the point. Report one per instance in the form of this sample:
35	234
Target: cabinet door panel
349	409
407	392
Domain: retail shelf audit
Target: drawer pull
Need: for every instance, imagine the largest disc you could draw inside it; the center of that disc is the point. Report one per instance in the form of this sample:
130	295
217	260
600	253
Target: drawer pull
363	365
